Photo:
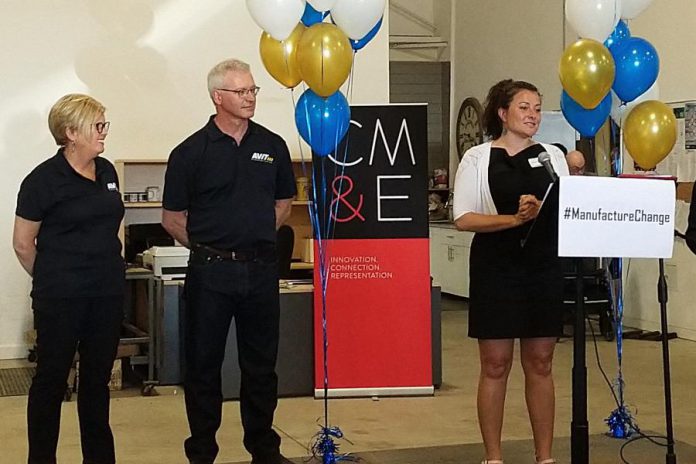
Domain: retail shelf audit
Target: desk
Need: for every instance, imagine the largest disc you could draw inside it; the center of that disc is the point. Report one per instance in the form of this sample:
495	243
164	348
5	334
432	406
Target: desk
296	345
140	337
295	366
170	308
301	265
296	324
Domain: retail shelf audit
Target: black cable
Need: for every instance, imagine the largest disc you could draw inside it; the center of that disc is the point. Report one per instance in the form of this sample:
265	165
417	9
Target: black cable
599	362
641	436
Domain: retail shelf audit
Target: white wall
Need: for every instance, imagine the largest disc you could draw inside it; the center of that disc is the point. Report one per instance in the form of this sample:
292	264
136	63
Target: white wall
147	61
498	39
669	26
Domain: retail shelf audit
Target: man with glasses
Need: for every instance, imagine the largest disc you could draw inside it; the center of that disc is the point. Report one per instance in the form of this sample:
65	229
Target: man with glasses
228	187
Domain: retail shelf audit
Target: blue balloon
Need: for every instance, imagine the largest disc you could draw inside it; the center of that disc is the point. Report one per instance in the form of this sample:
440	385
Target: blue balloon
621	33
358	44
312	16
585	121
637	67
322	122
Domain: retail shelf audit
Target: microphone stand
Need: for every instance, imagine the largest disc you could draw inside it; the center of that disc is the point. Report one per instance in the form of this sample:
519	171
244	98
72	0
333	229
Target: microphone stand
670	457
579	430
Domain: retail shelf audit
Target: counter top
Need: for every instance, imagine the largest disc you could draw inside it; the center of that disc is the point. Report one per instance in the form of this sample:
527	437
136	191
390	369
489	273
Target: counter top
443	225
284	287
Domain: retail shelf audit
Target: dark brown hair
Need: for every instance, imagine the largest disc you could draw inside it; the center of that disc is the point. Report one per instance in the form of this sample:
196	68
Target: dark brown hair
500	96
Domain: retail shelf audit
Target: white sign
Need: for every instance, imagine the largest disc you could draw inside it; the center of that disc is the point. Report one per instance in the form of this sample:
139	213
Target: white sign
610	217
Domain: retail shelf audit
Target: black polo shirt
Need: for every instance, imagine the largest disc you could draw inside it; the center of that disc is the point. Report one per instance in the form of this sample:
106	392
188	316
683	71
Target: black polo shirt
78	249
229	190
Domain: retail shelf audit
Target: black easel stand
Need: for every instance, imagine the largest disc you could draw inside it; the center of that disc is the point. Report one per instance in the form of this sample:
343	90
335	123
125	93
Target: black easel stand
670	457
579	436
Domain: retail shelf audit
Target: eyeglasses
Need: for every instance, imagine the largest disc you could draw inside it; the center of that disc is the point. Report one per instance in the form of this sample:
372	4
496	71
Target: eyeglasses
102	127
242	93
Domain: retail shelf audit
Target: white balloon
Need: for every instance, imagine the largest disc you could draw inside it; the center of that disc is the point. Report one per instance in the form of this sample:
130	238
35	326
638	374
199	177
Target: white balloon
593	19
632	8
277	17
357	17
322	5
620	111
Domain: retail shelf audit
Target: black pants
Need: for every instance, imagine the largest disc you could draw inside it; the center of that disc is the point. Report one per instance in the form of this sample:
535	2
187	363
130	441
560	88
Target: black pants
215	293
91	327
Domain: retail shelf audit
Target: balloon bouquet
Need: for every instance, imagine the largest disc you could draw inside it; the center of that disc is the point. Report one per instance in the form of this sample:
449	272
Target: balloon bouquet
609	72
297	45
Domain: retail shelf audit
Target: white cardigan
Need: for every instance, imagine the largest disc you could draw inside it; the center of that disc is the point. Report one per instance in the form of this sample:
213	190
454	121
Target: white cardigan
472	194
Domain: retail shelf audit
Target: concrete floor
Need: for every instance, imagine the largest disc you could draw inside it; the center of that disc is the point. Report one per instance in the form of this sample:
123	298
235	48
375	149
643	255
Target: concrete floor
151	429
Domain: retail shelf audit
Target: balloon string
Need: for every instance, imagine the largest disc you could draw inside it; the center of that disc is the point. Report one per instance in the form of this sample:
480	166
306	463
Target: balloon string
337	162
616	288
322	63
299	139
286	56
619	328
312	207
350	79
619	300
324	230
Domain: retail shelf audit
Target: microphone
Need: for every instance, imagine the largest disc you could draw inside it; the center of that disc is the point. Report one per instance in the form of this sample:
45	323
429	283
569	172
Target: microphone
545	159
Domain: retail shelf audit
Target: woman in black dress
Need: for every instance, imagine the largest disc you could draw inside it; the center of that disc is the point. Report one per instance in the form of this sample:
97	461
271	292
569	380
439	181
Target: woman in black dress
66	237
515	274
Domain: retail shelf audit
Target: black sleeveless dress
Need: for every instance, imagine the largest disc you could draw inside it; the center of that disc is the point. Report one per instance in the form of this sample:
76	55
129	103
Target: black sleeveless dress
517	291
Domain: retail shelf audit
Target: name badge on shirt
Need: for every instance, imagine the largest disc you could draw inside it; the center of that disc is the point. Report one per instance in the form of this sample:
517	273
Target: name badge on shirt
111	187
534	162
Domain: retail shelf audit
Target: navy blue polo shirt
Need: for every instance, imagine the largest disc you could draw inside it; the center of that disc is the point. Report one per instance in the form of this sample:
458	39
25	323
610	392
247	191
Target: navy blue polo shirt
78	249
229	190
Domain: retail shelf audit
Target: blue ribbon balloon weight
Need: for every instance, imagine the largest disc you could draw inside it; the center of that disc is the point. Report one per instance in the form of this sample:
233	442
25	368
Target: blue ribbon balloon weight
620	421
322	119
323	123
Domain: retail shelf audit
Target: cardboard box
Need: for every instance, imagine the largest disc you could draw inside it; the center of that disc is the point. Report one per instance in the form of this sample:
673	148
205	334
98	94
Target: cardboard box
308	250
116	382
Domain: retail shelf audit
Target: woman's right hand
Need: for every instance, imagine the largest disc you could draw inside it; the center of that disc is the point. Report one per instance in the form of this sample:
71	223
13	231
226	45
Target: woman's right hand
527	209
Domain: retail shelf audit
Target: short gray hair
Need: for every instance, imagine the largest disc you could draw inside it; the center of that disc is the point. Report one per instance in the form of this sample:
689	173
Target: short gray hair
216	75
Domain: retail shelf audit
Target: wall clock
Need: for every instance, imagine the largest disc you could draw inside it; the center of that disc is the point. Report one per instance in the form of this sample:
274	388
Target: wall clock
469	125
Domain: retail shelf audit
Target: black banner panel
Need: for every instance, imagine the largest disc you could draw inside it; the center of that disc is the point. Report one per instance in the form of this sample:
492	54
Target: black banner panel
376	185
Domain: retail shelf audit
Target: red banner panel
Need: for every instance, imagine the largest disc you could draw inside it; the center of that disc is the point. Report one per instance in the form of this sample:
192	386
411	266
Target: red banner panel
378	314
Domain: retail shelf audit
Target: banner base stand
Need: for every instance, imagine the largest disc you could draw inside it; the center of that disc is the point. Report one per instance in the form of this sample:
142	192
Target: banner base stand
369	392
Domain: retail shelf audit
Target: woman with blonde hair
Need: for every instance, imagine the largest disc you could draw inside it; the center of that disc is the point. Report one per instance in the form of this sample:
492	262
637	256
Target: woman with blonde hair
66	237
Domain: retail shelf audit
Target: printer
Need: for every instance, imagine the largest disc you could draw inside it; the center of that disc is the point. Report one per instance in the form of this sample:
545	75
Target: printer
167	262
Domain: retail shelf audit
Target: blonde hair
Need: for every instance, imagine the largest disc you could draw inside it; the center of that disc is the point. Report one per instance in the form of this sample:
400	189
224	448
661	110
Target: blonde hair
75	112
216	76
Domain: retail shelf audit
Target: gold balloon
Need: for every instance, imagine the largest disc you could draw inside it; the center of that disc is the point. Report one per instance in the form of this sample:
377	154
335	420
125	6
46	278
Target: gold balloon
280	57
650	132
587	72
325	57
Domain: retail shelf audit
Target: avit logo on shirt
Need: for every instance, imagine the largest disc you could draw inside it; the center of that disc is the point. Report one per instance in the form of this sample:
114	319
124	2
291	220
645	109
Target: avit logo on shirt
262	157
111	187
